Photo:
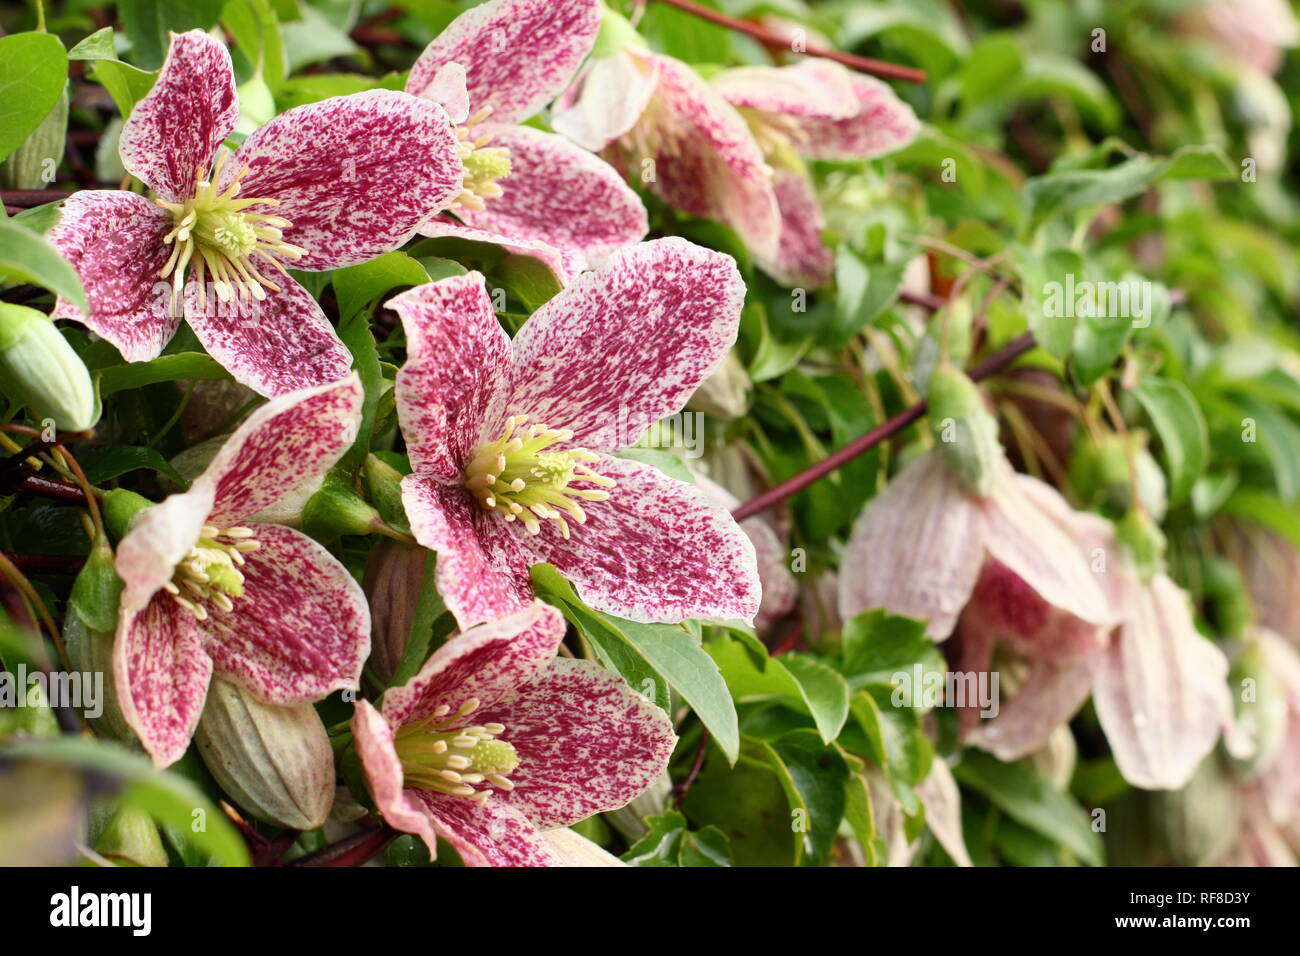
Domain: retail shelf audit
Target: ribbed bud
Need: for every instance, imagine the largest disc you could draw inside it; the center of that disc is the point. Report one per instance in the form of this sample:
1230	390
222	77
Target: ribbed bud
394	575
337	509
34	164
132	837
1198	823
965	432
39	369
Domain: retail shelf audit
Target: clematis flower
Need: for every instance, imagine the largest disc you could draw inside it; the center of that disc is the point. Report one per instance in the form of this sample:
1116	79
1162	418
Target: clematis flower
324	185
819	110
654	118
207	592
495	740
532	192
512	444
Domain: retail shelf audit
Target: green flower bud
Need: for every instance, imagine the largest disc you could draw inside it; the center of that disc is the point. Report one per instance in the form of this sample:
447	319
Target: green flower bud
1198	823
120	508
384	487
1260	705
34	164
90	651
966	433
616	32
131	837
337	509
39	369
1145	541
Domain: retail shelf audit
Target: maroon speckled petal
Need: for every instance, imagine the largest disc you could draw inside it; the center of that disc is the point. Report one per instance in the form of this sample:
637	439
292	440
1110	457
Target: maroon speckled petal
401	809
490	835
606	100
172	135
657	550
882	124
517	54
114	239
565	264
813	88
626	345
586	741
487	662
916	549
482	570
162	674
355	175
300	630
285	444
451	389
159	537
801	259
279	344
560	194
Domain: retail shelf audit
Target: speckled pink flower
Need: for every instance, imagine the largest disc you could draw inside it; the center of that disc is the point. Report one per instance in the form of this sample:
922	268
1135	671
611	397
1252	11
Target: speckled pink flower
324	185
208	592
512	443
535	193
819	110
495	740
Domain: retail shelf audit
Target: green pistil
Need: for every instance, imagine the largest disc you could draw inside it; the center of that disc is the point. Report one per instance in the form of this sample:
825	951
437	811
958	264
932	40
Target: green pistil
209	574
517	477
457	762
484	164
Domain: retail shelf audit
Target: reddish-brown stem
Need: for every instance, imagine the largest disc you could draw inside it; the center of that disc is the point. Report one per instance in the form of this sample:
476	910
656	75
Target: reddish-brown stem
996	361
33	484
350	851
27	198
860	63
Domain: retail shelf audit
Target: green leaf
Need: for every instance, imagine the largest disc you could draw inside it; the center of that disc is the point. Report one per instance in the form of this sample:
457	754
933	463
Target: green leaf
147	22
530	280
992	66
1179	423
98	46
33	71
26	256
1043	279
1029	799
256	31
669	842
864	291
876	645
165	368
813	776
107	462
126	84
358	286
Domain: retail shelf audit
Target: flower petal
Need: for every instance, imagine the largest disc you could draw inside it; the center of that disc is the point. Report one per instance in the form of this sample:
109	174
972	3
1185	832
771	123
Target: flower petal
817	89
401	809
172	135
942	800
576	850
487	662
276	345
355	175
114	239
801	259
560	194
451	389
657	550
289	442
586	741
517	54
664	314
489	835
606	100
916	549
565	264
883	124
159	537
1160	689
161	673
300	630
479	576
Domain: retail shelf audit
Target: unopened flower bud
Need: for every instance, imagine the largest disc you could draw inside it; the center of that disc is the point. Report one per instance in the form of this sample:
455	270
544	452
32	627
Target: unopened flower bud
337	509
132	837
39	369
967	434
394	575
1260	705
725	393
1145	541
384	487
34	164
120	507
274	761
90	651
1198	823
630	820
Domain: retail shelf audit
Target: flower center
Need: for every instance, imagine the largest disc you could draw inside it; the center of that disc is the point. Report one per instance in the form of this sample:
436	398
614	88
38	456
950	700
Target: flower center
463	762
516	476
484	164
216	234
209	573
777	136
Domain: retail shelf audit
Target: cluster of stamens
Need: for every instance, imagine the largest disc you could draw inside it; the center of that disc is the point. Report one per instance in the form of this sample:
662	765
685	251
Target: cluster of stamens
484	164
777	135
517	477
462	762
210	573
216	234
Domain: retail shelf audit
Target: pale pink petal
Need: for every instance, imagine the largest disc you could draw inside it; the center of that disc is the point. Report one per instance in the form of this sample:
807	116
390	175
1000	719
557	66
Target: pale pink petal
606	100
355	175
300	630
401	809
1279	776
448	89
274	345
628	344
488	835
487	663
114	239
1009	608
565	264
161	673
813	88
478	577
451	389
517	54
916	550
1160	689
883	124
172	135
587	743
576	850
801	259
1049	695
656	550
289	442
942	801
560	194
159	537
